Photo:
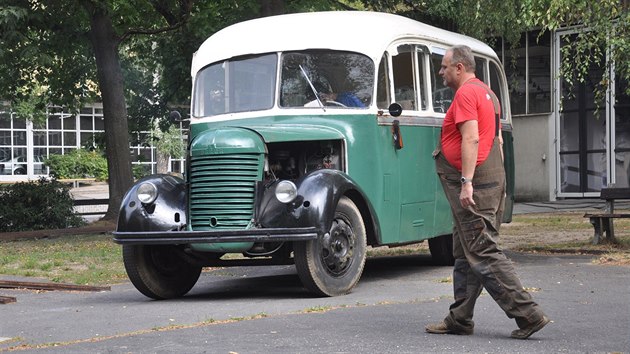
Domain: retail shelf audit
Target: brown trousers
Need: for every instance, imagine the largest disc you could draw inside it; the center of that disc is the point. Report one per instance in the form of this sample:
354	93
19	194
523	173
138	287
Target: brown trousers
479	262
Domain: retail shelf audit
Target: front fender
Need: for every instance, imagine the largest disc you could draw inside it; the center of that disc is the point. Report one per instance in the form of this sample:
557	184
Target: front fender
167	212
318	194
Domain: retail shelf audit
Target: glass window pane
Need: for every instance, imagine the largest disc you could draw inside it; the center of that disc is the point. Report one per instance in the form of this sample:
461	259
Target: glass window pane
86	123
5	118
382	89
539	72
99	123
480	69
496	84
54	138
5	138
69	139
515	72
39	138
442	95
69	122
18	123
54	122
622	134
19	137
341	79
86	138
403	72
237	85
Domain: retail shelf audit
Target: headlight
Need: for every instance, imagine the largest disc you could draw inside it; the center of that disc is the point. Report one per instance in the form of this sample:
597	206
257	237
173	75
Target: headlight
147	192
286	191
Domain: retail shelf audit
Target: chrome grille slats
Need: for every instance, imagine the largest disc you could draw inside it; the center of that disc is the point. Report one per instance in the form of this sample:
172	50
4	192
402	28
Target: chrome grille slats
222	190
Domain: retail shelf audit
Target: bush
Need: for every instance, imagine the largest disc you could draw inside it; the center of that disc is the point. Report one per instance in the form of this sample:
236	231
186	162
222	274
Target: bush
37	206
78	164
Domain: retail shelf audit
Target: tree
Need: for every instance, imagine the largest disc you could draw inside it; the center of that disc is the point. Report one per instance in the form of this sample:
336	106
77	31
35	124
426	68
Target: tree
71	49
602	36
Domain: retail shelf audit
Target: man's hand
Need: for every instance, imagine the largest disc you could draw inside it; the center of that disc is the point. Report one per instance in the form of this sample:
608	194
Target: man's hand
466	195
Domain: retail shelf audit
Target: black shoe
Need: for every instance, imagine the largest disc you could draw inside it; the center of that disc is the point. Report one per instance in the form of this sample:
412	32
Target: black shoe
442	328
524	333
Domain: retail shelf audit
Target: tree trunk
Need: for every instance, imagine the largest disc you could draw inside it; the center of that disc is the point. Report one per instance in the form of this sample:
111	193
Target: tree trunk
162	162
110	79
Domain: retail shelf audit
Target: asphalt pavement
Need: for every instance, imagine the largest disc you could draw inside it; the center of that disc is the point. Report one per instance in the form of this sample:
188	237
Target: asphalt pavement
266	310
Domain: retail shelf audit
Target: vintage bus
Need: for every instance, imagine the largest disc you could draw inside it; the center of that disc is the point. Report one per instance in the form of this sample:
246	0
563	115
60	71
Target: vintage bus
311	139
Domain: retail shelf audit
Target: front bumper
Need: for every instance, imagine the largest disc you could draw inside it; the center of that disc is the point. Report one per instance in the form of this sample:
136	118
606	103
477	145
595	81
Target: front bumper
215	236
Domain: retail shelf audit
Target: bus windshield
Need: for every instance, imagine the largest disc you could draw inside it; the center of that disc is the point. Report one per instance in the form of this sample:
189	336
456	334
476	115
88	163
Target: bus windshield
317	78
236	85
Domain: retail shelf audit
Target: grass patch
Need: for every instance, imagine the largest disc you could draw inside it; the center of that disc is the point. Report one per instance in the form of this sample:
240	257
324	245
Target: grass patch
81	259
96	260
565	232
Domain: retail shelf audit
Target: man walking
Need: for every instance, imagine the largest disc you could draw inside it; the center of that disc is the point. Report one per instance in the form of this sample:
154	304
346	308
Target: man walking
469	163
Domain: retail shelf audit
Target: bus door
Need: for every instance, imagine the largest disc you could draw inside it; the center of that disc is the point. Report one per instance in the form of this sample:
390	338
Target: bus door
402	79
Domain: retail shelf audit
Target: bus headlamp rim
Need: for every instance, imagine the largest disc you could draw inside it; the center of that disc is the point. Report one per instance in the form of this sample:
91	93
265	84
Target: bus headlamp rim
286	191
147	193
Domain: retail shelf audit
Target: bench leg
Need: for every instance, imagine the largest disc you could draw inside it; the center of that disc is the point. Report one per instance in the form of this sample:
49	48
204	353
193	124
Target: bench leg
597	226
610	230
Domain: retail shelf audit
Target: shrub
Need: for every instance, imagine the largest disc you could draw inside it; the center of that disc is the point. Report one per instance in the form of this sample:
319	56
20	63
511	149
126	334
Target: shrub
78	164
37	206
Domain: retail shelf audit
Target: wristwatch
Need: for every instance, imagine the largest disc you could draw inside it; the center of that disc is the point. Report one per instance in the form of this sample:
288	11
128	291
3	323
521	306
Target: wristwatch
465	180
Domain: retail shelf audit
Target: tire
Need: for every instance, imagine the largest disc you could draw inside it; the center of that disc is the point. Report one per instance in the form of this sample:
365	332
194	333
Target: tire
332	265
159	272
441	248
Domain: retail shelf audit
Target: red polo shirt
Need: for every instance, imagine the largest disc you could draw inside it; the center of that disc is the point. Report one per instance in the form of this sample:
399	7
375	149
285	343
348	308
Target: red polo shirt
471	101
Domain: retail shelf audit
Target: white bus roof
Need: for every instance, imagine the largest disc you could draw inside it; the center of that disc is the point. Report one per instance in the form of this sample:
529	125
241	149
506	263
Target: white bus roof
364	32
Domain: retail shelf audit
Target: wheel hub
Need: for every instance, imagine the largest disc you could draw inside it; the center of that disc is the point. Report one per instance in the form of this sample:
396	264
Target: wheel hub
338	248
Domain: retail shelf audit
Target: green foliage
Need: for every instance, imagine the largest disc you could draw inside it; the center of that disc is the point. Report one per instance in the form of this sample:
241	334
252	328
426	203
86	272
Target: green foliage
36	206
170	142
602	36
78	164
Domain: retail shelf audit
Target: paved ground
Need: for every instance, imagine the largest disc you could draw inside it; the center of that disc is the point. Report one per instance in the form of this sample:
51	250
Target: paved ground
265	309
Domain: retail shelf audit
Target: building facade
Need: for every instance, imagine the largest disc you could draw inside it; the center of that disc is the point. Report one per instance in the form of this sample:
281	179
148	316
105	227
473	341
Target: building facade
568	143
24	145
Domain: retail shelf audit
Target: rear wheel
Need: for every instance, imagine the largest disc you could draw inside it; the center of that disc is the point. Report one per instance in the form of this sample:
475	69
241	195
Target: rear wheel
441	248
332	265
159	272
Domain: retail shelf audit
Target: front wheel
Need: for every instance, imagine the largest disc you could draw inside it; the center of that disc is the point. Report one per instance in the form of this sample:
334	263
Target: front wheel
159	272
332	265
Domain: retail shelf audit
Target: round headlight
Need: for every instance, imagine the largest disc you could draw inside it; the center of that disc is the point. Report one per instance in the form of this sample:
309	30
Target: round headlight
147	193
286	191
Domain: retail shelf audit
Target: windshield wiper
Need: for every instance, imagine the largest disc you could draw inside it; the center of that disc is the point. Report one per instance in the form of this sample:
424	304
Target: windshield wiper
312	88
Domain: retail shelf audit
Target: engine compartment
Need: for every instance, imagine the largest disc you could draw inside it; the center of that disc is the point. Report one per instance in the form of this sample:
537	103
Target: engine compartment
292	160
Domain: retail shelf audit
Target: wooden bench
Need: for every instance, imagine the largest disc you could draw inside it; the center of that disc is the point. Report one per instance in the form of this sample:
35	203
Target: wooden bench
603	222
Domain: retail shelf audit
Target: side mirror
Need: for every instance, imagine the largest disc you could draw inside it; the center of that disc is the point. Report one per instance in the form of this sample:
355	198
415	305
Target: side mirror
175	117
395	109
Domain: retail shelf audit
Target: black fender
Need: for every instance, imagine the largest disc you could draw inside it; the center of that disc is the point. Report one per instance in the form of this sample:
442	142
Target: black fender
318	195
167	212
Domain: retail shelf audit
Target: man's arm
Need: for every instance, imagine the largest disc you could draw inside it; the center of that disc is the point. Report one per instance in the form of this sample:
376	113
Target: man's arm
470	147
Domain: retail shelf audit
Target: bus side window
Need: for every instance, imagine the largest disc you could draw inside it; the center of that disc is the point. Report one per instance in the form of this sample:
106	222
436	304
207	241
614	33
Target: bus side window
403	69
382	86
496	85
442	95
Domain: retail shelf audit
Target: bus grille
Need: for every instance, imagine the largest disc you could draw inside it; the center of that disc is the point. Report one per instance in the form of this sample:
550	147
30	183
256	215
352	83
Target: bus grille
222	190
